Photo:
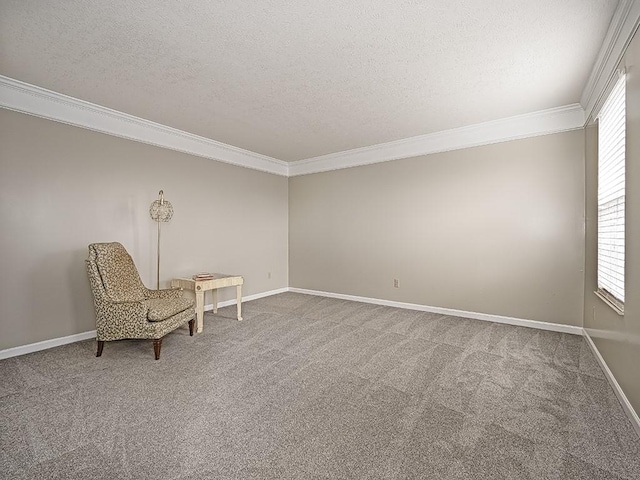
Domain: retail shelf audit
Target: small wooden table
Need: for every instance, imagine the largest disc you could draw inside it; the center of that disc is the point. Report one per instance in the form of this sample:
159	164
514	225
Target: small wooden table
219	280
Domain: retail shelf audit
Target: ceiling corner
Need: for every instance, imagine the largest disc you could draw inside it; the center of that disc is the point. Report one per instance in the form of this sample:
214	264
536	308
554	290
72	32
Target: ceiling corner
622	28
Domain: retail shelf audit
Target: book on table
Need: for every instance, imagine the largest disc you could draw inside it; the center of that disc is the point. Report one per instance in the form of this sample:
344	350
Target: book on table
203	276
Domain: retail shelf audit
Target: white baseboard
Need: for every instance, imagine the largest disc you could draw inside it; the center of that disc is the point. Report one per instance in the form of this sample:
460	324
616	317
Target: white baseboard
521	322
56	342
556	327
622	398
248	298
44	345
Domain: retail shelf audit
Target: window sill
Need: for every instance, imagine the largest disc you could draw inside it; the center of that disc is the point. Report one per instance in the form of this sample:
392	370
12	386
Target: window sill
604	296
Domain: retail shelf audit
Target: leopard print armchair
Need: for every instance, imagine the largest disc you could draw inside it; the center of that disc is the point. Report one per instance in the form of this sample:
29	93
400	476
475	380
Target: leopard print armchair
125	308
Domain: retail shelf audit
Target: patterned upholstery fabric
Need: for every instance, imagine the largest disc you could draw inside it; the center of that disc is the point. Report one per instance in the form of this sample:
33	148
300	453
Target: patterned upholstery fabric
118	273
123	304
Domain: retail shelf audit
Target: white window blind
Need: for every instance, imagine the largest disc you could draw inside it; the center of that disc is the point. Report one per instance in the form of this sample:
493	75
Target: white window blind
611	195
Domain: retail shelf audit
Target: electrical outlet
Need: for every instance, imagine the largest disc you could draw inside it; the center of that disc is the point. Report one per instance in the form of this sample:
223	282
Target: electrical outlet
396	283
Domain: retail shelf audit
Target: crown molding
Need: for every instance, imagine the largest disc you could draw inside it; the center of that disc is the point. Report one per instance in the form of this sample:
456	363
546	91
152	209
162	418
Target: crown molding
623	26
40	102
33	100
544	122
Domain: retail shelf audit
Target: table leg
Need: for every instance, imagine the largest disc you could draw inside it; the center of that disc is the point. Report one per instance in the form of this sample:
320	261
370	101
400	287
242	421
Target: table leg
199	310
239	293
214	293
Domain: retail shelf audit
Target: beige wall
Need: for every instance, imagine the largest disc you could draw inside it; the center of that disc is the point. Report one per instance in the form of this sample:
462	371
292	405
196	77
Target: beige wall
62	188
497	229
618	337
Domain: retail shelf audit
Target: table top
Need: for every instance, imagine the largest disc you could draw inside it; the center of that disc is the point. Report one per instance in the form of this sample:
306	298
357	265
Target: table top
217	278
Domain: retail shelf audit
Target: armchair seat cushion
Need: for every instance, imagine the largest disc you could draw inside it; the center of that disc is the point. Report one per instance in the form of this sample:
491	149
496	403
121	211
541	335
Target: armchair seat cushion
160	309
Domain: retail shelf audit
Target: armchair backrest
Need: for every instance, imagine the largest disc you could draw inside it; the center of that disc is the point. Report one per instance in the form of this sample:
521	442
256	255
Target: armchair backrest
118	274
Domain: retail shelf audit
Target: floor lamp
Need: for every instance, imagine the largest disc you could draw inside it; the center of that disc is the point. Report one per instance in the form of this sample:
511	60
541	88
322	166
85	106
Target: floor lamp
161	211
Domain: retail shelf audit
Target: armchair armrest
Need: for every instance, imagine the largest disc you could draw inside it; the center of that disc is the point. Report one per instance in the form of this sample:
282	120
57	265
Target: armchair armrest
164	293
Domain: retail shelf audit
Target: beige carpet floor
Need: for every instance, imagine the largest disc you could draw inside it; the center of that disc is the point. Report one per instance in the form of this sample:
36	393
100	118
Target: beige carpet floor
311	387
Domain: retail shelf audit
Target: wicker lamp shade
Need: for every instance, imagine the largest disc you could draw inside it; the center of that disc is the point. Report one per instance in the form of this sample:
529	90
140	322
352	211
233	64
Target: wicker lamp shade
161	210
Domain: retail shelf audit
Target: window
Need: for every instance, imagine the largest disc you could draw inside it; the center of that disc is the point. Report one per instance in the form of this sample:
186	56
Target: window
611	197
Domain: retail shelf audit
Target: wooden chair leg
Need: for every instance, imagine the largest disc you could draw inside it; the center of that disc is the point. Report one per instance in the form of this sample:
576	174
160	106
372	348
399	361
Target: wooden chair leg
191	327
157	344
100	347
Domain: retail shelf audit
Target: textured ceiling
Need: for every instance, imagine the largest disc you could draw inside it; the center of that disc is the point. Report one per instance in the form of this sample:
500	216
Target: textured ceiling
293	79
